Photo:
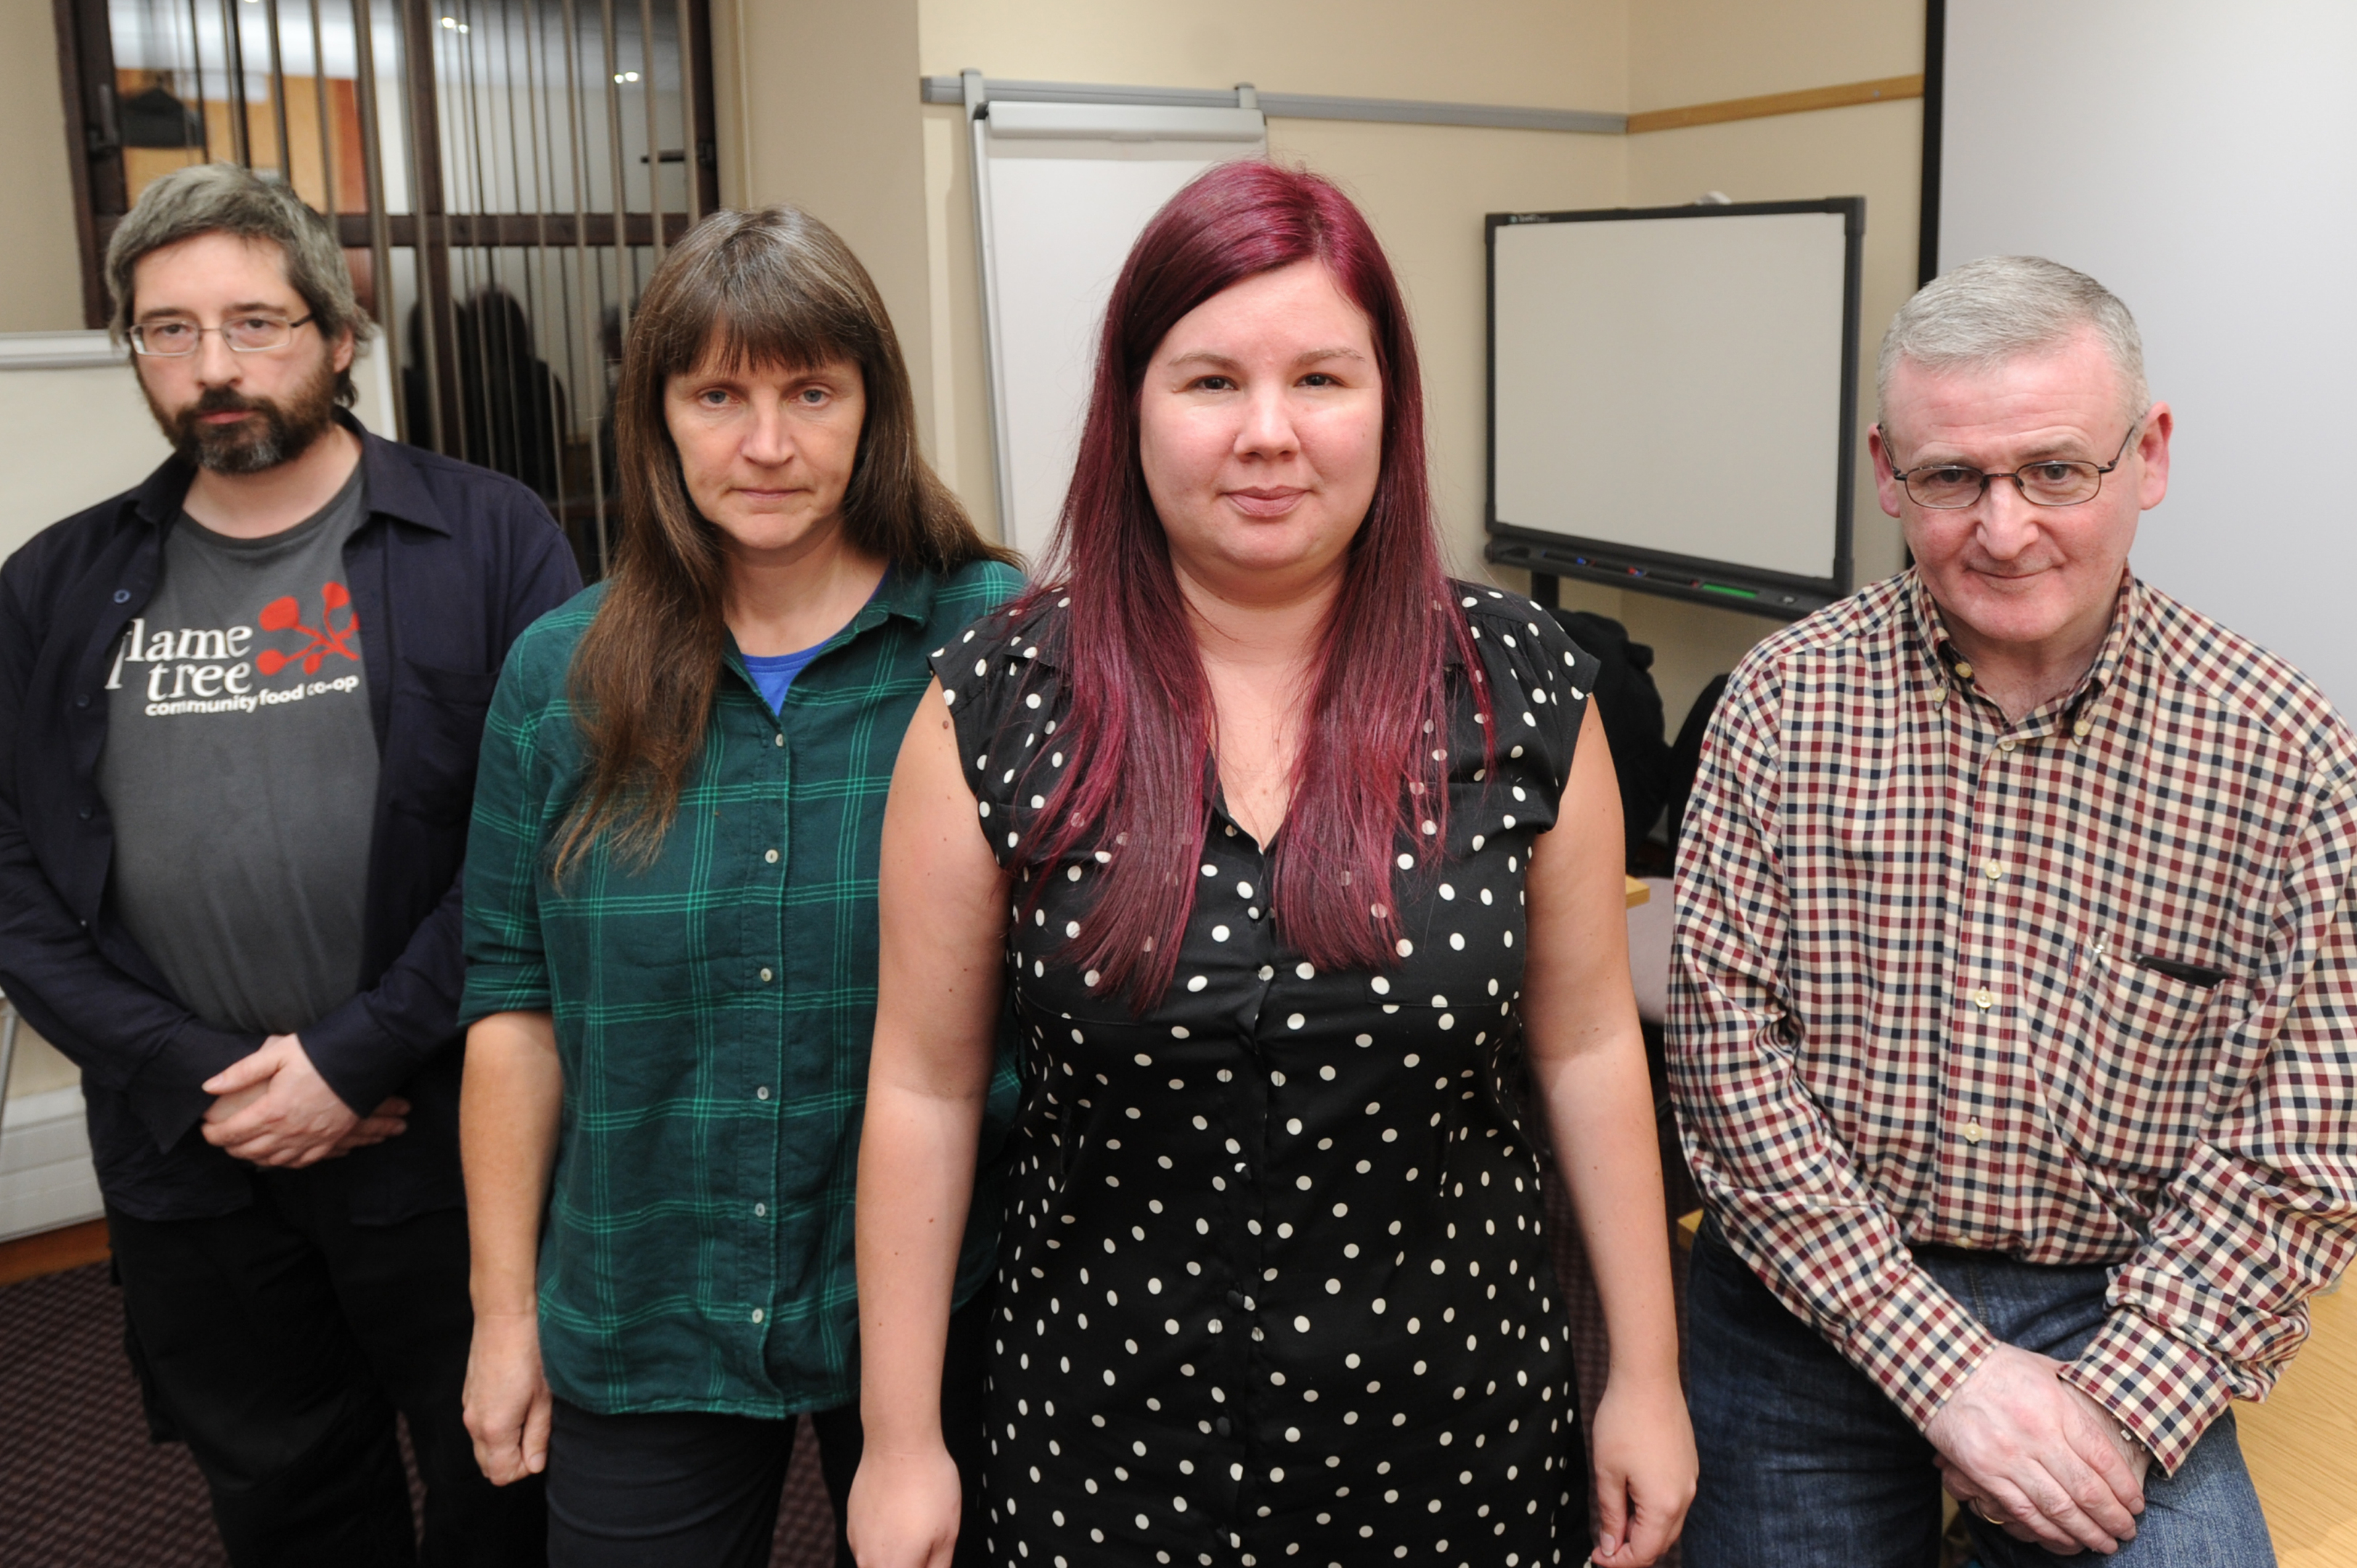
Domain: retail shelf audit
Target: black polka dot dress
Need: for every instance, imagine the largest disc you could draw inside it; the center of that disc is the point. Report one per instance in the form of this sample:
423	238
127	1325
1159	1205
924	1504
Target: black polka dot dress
1272	1286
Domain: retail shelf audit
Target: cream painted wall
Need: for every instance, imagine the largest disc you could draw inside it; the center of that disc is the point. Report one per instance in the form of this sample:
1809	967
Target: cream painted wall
40	259
816	105
1425	188
1701	51
1568	54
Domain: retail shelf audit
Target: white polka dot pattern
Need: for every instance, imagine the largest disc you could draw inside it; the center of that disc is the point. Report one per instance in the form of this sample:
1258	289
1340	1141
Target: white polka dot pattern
1271	1286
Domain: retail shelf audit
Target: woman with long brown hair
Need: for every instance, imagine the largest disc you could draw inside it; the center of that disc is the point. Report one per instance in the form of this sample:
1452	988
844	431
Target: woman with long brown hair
670	917
1300	861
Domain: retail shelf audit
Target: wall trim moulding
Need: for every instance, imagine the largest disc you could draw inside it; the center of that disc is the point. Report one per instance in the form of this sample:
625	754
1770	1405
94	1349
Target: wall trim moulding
1883	89
1423	112
59	350
1282	105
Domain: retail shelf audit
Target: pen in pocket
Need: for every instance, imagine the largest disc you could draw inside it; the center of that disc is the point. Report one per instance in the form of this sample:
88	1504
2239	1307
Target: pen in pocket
2177	969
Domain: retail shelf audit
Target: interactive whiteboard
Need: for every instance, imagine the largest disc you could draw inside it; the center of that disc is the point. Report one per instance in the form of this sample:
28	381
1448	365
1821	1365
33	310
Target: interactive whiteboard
1671	398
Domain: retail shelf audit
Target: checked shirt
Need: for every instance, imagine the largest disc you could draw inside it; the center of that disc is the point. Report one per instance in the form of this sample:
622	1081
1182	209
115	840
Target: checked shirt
714	1012
1907	1005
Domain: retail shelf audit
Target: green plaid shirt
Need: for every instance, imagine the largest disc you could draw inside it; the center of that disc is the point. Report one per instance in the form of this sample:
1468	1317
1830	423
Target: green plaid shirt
713	1016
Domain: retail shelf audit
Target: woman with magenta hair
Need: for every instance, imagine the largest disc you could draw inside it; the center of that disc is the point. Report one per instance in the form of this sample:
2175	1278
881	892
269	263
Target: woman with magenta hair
1301	861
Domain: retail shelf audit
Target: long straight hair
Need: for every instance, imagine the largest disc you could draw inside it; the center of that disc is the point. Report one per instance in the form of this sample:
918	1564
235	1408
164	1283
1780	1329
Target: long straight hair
773	288
1370	783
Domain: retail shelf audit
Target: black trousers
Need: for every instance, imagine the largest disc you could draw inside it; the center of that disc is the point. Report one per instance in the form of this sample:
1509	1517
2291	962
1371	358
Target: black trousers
686	1490
278	1342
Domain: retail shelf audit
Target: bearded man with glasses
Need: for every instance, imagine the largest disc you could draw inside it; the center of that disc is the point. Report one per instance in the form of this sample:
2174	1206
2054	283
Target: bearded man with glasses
2014	983
242	706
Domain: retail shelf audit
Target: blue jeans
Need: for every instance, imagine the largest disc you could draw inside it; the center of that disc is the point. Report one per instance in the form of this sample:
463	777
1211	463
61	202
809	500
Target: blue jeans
1806	1464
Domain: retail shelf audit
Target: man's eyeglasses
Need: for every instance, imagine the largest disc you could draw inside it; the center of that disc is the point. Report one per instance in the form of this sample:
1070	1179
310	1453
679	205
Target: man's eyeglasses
172	339
2054	481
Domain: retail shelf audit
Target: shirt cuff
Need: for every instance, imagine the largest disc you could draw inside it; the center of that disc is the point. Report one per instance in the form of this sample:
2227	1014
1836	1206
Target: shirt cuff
349	1051
2162	1390
496	986
166	1093
1917	1343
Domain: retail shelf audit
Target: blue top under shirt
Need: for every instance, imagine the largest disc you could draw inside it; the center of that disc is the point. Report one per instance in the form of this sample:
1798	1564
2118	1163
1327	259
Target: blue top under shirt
773	674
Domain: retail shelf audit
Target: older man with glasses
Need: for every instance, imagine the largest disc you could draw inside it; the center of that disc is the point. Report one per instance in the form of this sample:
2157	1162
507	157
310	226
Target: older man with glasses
242	706
2013	999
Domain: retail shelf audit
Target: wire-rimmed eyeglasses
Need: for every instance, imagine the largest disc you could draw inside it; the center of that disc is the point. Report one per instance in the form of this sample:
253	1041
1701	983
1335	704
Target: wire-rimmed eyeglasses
2051	481
172	337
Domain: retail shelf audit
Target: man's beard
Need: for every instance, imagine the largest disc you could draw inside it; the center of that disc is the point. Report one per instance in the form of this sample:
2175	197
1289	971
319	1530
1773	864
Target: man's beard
273	433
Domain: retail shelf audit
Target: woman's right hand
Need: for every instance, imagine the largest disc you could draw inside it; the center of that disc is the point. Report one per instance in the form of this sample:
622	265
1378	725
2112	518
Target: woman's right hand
904	1509
507	1400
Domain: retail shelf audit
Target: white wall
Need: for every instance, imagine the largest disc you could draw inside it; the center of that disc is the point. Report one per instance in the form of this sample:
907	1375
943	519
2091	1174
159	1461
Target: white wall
2206	151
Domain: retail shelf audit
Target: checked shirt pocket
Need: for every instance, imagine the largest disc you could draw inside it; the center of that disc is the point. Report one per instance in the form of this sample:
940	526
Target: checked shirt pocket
2135	1067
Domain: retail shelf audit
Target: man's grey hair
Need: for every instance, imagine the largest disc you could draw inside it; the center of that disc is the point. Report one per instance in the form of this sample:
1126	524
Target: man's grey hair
229	199
1985	313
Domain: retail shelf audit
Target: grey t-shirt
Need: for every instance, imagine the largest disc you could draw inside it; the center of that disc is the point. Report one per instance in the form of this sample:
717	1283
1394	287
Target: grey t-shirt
240	772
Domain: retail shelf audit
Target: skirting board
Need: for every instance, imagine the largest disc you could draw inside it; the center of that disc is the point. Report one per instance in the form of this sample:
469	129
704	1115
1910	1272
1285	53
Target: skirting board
46	1178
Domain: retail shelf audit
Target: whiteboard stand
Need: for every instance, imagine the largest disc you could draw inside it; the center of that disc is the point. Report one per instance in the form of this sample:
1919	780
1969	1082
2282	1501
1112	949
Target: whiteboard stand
1674	399
1061	192
976	116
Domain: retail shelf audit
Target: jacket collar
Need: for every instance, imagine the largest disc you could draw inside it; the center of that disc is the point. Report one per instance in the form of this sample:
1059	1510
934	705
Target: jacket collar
395	490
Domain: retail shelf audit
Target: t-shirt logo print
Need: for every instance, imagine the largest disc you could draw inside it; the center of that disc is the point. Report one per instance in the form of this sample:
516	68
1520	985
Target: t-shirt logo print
287	615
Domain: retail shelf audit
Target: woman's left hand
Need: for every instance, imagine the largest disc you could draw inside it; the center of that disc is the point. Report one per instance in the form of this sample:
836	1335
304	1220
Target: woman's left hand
1644	1463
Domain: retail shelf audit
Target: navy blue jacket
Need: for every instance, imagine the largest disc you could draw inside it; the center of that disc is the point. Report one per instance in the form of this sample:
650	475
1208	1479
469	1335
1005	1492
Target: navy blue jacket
452	564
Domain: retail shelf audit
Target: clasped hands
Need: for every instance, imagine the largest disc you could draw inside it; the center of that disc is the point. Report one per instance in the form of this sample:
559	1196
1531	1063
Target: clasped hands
273	1109
2029	1452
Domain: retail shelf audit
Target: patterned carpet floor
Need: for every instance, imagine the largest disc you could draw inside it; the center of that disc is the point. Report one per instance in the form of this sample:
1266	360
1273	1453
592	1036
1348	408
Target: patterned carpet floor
80	1485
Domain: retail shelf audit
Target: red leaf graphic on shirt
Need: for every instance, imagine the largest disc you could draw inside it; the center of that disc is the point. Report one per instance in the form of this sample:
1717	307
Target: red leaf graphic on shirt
283	615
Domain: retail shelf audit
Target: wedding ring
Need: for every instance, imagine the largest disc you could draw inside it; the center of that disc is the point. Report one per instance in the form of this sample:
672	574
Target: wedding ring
1985	1518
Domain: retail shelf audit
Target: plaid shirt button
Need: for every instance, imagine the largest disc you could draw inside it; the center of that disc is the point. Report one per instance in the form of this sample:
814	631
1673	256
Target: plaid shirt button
1973	1132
